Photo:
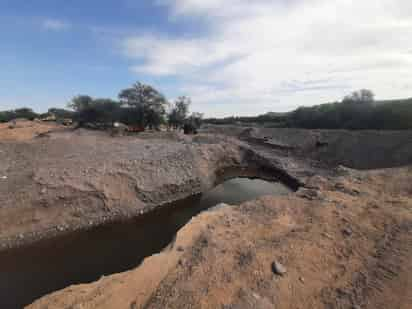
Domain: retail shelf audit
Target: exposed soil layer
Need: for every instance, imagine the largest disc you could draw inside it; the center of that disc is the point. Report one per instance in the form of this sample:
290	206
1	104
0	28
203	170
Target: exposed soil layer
355	149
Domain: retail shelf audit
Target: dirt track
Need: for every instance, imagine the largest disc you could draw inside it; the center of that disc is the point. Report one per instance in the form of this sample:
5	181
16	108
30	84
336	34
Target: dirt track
344	237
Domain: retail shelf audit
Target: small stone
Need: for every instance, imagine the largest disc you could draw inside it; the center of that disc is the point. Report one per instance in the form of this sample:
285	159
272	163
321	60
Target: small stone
301	279
347	232
278	268
327	235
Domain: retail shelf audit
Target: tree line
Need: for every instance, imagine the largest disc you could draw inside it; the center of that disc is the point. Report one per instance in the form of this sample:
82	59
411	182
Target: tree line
143	106
139	105
357	111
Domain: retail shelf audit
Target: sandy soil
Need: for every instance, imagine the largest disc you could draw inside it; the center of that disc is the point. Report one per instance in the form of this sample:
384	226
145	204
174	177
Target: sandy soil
23	130
344	243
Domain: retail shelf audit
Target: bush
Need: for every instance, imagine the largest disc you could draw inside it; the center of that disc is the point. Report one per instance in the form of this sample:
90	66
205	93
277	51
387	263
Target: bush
25	113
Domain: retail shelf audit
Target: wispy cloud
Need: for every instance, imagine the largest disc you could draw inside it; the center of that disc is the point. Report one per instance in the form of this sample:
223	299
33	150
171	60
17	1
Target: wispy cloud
55	25
270	51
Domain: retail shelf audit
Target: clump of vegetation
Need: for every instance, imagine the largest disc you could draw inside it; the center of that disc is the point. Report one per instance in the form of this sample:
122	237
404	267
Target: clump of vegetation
179	112
25	113
149	105
97	113
139	106
357	111
145	107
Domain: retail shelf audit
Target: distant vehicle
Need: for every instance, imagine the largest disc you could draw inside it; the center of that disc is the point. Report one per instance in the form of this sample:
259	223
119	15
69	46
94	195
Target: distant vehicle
67	122
49	118
134	129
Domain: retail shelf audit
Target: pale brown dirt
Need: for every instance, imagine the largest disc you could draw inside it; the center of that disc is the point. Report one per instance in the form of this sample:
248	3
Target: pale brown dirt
23	130
345	242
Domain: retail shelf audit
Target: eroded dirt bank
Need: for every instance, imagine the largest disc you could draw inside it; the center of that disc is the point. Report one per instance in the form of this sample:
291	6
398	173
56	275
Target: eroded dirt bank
344	242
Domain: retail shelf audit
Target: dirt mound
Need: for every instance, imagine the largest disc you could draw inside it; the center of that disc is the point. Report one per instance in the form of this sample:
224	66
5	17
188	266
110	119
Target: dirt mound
335	248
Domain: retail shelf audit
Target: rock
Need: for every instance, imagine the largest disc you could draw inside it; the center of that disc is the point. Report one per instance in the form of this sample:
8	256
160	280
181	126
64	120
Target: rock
316	183
327	235
347	189
347	232
278	268
218	206
310	194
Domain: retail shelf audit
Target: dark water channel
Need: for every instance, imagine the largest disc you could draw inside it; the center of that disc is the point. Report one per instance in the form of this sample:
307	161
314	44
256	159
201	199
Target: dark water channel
31	272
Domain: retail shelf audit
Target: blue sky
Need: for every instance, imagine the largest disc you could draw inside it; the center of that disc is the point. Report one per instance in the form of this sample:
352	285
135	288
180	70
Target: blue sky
233	57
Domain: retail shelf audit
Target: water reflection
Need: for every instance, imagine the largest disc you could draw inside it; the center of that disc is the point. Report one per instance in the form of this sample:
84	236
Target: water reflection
29	273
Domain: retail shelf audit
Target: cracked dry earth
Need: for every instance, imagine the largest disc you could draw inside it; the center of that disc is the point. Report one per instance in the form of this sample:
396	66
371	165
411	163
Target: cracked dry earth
344	241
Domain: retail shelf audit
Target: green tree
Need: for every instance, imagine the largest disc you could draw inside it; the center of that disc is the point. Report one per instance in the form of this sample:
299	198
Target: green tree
145	100
100	112
26	113
179	112
360	96
80	102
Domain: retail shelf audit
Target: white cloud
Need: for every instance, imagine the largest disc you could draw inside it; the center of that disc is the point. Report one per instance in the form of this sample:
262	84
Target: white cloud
55	25
276	55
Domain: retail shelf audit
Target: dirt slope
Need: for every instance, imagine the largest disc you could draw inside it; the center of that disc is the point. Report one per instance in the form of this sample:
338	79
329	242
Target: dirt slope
345	242
356	149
